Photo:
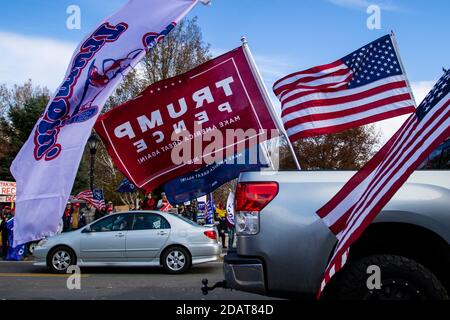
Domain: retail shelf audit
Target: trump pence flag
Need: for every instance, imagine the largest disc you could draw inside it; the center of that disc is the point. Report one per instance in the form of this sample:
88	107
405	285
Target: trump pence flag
46	166
178	125
355	206
366	86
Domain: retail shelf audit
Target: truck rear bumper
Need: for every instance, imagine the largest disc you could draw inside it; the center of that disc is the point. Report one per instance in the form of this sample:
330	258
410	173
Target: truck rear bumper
244	274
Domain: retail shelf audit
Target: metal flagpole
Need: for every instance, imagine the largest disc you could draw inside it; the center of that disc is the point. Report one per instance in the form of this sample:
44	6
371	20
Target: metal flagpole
267	99
394	42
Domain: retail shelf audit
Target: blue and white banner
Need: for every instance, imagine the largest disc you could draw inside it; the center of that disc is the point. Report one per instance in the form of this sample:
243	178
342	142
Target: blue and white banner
210	209
207	179
13	253
47	164
126	186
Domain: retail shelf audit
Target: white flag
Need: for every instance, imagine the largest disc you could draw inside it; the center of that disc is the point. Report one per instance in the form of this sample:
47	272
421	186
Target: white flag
46	166
230	208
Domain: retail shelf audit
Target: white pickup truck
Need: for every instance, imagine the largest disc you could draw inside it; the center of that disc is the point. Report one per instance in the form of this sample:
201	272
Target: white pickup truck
283	247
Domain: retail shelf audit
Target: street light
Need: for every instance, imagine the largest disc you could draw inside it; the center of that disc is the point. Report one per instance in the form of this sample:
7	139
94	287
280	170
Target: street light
93	142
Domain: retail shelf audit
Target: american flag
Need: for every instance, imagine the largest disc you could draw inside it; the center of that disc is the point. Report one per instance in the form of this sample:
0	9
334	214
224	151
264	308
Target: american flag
355	206
366	86
93	197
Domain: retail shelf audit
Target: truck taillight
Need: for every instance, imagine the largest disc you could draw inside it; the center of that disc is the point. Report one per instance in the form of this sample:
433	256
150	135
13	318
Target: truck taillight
251	198
254	196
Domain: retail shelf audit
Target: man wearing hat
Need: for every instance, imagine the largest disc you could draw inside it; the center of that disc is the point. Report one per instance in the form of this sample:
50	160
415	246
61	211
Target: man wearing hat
110	208
163	203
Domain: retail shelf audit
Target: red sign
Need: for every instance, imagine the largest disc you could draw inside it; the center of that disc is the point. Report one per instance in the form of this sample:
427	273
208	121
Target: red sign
147	136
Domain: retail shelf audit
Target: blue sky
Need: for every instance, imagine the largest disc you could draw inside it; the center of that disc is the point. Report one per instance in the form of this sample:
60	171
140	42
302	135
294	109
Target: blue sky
285	35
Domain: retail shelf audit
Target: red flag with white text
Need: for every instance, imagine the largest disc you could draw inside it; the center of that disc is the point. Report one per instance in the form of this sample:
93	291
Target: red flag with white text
202	109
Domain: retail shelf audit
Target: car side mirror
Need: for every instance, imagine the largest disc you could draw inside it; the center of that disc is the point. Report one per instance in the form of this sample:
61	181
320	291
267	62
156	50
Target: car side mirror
87	229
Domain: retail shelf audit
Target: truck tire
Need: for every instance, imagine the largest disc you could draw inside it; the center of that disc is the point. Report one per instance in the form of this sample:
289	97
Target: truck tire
401	279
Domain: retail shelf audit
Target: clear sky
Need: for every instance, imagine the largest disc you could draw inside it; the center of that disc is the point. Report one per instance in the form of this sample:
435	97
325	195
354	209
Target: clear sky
285	35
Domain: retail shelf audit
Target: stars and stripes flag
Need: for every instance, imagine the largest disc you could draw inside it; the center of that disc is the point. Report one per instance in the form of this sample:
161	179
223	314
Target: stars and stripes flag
93	197
355	206
366	86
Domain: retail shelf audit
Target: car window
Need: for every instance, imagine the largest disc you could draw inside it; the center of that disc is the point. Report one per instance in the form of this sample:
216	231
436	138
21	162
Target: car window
192	223
120	222
149	221
438	159
445	159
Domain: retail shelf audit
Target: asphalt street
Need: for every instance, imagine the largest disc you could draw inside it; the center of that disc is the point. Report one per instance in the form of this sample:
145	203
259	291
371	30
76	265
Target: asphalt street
23	280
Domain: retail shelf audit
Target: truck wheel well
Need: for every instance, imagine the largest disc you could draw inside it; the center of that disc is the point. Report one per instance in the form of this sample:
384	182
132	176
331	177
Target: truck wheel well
408	240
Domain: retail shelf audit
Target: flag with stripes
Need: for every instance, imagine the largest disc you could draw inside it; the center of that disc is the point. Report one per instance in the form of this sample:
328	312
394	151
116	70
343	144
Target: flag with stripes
355	206
93	197
366	86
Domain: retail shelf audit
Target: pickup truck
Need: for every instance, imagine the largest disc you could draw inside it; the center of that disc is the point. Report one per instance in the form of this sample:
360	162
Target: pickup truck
283	247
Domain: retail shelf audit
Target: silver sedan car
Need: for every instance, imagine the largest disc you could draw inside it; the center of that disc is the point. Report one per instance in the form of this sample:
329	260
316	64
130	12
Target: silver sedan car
138	238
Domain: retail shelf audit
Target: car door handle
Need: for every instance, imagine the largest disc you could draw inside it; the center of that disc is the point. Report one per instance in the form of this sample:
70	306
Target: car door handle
161	233
120	235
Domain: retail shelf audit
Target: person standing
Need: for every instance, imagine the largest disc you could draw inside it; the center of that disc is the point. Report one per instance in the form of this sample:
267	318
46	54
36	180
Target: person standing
110	208
4	231
222	227
149	203
75	217
66	217
88	213
163	203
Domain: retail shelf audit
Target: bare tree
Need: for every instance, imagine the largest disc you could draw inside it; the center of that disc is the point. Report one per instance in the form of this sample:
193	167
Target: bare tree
347	150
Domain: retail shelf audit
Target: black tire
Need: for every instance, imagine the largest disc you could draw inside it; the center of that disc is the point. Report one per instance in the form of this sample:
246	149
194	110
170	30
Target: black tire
401	279
176	260
67	259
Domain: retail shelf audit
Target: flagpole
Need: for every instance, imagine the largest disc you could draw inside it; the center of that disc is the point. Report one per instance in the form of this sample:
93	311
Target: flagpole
267	99
394	42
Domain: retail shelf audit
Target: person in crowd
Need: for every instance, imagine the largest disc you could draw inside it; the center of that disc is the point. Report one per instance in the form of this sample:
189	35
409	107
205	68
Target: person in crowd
149	203
110	208
163	203
100	213
182	210
4	231
75	217
66	217
222	227
88	214
190	213
7	212
231	233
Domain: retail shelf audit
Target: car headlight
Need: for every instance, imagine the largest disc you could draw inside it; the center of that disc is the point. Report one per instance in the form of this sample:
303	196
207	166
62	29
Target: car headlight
42	243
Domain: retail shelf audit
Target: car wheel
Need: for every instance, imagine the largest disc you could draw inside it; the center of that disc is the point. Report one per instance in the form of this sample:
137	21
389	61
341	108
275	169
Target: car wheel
401	279
60	259
176	260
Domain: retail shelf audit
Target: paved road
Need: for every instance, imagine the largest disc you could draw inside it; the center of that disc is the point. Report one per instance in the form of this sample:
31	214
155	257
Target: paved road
22	280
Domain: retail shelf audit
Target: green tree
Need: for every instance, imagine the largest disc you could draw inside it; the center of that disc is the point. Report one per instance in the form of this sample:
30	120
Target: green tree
21	107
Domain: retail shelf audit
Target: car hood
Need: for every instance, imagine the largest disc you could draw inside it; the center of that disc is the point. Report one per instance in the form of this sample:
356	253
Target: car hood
62	236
